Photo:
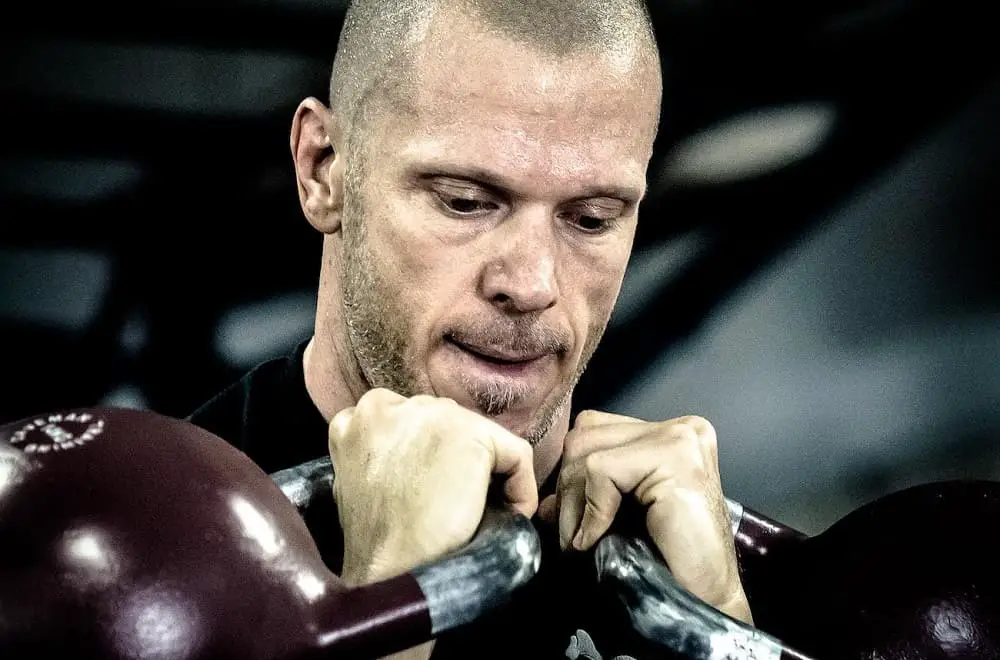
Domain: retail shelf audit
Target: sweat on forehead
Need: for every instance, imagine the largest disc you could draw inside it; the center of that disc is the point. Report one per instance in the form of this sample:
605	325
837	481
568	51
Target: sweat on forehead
375	55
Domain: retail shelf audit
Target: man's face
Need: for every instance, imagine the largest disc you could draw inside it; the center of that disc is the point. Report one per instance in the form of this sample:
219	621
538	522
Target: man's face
486	240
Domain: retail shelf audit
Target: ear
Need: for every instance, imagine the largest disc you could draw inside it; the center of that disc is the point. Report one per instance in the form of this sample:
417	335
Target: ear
319	168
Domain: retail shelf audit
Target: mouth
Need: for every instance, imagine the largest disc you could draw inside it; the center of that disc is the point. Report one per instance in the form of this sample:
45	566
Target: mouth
497	378
497	355
497	361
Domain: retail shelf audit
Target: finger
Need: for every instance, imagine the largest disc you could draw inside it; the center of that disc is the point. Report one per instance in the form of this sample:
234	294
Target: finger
608	474
580	444
338	430
572	501
383	396
603	498
589	439
686	513
704	431
591	418
595	430
692	533
513	458
548	509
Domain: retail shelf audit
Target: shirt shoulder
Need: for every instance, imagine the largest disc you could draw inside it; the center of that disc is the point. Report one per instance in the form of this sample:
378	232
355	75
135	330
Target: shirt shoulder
268	415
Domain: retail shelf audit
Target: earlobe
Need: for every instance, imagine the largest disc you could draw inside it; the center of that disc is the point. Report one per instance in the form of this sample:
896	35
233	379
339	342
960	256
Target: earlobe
319	167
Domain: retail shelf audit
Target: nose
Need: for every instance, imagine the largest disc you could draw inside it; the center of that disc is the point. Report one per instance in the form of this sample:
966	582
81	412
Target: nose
521	275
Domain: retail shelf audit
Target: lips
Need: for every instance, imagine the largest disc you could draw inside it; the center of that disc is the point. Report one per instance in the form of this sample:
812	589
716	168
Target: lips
497	354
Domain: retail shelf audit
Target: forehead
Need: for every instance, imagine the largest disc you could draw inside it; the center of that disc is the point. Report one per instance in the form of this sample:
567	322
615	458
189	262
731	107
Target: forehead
478	97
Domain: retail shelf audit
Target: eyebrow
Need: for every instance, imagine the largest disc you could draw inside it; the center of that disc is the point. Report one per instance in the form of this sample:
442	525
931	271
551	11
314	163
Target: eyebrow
497	183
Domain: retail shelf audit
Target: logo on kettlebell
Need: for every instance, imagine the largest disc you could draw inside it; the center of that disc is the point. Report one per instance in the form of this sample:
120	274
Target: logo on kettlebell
57	432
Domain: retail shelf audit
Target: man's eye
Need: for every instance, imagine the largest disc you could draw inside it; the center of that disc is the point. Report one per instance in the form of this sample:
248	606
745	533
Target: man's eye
590	224
466	206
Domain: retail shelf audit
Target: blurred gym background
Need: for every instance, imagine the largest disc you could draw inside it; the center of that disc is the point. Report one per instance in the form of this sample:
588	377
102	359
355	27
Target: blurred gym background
814	271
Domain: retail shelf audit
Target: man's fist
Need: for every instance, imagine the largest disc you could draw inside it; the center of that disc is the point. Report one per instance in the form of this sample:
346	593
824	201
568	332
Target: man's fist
671	468
411	477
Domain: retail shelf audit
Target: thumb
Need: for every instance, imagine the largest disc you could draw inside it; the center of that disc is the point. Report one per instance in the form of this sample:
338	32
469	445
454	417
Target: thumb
548	510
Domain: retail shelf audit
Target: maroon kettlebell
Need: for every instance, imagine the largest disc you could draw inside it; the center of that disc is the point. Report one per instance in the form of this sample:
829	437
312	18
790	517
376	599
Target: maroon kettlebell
127	534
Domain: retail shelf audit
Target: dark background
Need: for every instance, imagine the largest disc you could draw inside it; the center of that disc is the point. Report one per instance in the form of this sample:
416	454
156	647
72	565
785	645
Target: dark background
815	272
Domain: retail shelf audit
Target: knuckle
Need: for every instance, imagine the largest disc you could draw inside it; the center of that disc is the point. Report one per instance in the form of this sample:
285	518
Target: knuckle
577	444
421	400
708	439
379	393
696	422
702	427
572	447
593	464
587	418
376	397
694	428
341	423
685	452
523	447
677	432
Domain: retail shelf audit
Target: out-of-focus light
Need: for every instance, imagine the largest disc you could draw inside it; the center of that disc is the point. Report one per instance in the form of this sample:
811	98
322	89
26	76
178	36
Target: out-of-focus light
750	145
78	180
126	396
205	81
55	288
649	270
253	333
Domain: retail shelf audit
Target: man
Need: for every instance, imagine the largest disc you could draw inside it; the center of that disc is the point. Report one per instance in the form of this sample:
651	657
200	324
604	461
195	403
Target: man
476	180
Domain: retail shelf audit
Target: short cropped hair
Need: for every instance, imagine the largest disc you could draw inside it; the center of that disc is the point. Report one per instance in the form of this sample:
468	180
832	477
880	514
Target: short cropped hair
371	62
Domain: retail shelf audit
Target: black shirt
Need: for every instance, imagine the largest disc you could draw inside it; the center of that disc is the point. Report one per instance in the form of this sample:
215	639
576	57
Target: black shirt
560	614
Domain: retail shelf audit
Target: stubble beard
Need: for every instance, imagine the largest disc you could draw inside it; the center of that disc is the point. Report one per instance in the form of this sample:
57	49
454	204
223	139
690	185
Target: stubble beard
377	330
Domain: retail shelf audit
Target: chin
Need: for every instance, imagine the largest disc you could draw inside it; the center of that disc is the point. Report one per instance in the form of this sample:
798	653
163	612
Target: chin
516	423
535	423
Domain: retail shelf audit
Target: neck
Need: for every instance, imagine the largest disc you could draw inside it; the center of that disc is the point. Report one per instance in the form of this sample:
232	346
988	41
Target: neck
549	450
324	383
333	380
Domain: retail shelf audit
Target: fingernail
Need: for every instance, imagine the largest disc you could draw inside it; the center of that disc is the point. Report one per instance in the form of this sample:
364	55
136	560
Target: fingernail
578	540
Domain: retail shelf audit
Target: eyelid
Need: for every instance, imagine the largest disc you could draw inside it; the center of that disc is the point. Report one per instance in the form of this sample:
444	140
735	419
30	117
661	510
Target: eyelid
458	186
616	207
484	192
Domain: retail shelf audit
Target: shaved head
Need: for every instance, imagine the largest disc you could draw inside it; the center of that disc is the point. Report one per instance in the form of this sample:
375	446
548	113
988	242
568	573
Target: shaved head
380	41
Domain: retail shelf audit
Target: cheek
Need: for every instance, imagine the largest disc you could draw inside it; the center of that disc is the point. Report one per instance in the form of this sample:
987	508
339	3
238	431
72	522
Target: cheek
428	273
596	281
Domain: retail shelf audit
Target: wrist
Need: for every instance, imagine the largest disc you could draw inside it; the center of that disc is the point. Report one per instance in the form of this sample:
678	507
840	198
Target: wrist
361	569
739	608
